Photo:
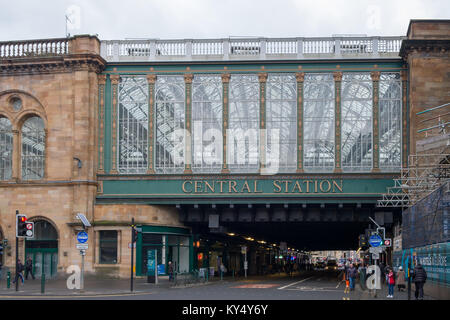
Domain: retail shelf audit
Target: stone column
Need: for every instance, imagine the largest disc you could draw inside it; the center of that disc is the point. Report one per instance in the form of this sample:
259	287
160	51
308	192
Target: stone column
101	122
151	78
300	80
405	129
262	121
337	122
115	99
375	123
188	116
225	84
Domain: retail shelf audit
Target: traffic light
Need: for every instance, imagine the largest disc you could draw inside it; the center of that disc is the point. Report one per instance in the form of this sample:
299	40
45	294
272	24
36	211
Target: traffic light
24	228
363	244
135	235
21	229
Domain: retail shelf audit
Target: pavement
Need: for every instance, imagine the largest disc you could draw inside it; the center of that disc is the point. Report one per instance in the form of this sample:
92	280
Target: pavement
103	287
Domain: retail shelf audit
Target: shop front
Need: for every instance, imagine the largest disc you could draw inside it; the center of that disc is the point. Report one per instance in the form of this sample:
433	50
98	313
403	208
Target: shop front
170	244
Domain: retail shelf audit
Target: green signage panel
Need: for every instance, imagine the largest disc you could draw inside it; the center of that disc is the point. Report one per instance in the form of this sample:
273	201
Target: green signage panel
245	188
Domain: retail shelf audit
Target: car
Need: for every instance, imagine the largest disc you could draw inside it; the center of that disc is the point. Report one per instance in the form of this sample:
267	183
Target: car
331	265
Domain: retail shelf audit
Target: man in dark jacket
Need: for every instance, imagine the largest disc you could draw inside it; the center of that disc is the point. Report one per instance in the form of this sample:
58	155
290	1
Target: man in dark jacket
19	271
419	277
351	275
29	268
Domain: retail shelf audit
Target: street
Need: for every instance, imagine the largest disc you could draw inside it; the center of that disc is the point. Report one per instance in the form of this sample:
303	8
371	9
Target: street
312	285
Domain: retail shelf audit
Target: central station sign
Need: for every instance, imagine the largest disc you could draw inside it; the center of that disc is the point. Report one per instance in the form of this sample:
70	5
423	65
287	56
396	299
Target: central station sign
217	188
256	186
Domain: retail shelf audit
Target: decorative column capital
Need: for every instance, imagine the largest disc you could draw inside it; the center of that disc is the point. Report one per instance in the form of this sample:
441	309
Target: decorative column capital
188	77
337	75
226	77
114	79
262	77
102	79
300	76
151	78
375	75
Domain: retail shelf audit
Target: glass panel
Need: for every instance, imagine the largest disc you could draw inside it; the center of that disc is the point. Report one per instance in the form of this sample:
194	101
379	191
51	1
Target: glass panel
133	124
47	265
390	121
243	124
54	263
170	124
44	231
108	247
356	125
318	129
207	136
38	264
6	149
281	123
33	149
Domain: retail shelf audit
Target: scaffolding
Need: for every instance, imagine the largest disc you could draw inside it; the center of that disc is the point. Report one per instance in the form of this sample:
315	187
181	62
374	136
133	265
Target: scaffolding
426	172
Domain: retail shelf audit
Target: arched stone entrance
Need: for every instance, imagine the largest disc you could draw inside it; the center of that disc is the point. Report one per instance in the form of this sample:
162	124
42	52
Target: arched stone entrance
43	249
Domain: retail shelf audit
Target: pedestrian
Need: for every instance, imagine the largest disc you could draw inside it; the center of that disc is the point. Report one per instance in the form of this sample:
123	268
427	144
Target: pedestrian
391	282
29	268
401	283
351	275
419	277
170	271
362	275
19	270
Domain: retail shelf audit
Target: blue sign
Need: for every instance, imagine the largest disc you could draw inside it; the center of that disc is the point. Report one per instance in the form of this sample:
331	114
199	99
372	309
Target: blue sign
161	269
82	237
375	240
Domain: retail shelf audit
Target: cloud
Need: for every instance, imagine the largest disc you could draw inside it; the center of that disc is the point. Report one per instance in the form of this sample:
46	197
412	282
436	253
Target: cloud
178	19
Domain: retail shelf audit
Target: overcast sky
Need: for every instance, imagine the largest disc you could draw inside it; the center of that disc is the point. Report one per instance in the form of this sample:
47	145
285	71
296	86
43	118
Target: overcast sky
180	19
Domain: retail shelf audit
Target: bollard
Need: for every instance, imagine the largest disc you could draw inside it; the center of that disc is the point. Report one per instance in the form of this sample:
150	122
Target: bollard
8	280
43	283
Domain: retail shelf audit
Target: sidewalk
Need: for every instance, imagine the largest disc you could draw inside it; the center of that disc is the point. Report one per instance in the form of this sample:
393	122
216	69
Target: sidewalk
360	294
92	286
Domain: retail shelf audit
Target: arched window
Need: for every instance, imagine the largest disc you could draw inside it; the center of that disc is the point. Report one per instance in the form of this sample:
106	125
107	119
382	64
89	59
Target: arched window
33	149
6	147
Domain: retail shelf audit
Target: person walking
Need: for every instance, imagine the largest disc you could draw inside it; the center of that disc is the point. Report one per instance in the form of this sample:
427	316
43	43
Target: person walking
390	282
19	271
351	275
419	278
29	268
170	271
401	283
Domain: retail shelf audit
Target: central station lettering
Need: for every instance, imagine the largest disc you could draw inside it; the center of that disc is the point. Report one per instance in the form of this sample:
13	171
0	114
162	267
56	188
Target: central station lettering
256	186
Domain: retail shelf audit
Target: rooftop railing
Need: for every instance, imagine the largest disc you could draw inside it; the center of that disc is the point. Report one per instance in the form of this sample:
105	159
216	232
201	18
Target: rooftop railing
251	49
34	48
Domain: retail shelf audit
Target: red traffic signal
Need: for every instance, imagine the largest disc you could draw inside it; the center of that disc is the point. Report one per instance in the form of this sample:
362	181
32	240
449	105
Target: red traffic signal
24	229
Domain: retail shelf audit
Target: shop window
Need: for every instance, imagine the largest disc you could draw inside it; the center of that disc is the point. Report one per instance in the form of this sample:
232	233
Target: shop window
108	247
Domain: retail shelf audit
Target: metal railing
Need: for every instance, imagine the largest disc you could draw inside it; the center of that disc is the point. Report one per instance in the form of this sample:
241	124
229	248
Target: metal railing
34	48
250	48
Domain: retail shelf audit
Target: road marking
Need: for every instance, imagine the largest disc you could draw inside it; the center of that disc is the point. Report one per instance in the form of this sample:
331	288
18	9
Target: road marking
294	283
256	286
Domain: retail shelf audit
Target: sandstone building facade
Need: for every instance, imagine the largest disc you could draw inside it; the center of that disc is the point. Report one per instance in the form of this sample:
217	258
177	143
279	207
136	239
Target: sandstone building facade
64	126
